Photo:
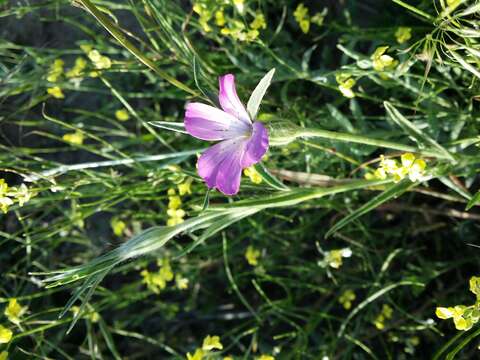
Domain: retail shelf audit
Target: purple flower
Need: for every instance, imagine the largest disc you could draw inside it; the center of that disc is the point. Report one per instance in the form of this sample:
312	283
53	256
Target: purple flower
242	143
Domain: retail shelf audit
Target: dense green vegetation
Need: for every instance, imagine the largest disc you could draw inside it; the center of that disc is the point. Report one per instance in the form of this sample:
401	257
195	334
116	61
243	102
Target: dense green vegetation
354	238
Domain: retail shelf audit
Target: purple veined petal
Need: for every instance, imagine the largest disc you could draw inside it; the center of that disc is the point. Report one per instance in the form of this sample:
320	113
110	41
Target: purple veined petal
221	165
229	99
256	146
209	123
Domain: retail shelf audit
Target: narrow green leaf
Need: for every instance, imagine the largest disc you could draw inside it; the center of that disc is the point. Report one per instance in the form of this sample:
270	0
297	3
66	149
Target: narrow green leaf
257	95
269	178
473	201
393	191
420	136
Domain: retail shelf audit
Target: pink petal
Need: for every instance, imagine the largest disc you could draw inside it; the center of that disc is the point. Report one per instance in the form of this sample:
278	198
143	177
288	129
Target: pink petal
229	99
256	146
221	165
209	123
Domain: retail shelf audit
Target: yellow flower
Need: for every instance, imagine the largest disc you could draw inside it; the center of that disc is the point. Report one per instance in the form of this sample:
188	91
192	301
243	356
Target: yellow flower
220	18
98	60
4	355
347	298
181	282
56	70
381	61
253	174
158	281
22	194
301	16
333	258
225	358
415	168
185	187
165	269
403	34
77	69
118	226
5	202
75	138
240	5
346	83
252	255
211	343
265	357
175	217
14	311
122	115
56	92
385	314
5	335
259	22
198	355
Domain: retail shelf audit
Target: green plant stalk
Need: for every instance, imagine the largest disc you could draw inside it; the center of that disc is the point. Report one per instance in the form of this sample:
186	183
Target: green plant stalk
360	139
413	9
115	31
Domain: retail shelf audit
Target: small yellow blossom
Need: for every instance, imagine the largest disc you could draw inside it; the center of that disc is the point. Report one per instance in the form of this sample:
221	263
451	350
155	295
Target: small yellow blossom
474	285
198	355
458	312
301	16
240	5
157	281
4	355
99	61
265	357
181	282
319	17
5	203
77	69
253	174
14	311
22	194
56	92
345	85
220	18
74	138
381	61
118	226
252	255
122	115
415	168
56	70
334	258
211	343
185	187
175	217
225	358
5	335
403	34
384	315
259	22
347	298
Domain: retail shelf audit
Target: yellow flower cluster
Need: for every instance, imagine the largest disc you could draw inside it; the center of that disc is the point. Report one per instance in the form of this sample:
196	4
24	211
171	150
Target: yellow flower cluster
210	343
381	61
345	84
252	255
347	298
334	258
265	357
175	214
385	314
74	138
14	311
410	166
403	34
464	317
77	70
157	281
253	174
56	70
10	195
236	29
302	17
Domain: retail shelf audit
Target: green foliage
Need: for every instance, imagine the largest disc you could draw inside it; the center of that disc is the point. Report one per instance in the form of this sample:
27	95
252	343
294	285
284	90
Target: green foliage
361	220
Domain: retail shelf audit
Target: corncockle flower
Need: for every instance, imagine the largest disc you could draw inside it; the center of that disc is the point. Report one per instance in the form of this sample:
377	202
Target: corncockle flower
242	142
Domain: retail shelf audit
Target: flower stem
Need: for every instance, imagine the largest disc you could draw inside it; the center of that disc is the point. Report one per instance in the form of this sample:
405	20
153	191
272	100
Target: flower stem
117	33
360	139
414	9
